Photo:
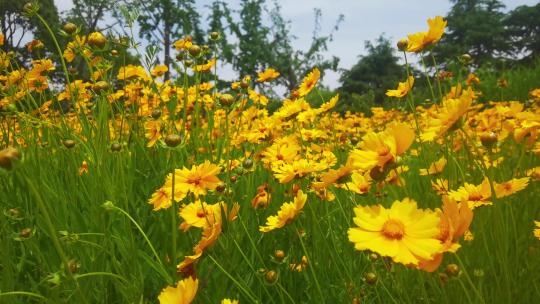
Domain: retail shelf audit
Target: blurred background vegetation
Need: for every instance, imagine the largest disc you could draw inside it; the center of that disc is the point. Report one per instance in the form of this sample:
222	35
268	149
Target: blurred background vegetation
503	45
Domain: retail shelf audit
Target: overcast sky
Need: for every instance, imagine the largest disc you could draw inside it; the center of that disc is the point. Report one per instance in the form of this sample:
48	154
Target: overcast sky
364	20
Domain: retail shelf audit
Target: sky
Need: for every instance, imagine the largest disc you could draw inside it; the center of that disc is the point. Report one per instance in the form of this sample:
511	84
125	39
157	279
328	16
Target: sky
363	20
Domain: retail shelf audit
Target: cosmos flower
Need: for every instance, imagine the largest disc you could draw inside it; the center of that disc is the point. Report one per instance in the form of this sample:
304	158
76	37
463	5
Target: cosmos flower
402	89
183	293
404	233
421	40
286	214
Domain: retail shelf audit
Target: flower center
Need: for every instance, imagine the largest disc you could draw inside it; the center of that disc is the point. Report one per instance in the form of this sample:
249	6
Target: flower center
194	180
393	229
382	151
475	197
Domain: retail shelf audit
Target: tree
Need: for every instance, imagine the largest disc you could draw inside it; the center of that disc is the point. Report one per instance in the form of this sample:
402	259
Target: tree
523	29
16	26
375	72
474	27
162	21
263	46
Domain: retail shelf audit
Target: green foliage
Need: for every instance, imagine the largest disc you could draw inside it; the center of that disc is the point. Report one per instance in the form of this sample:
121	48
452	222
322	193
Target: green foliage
523	29
374	73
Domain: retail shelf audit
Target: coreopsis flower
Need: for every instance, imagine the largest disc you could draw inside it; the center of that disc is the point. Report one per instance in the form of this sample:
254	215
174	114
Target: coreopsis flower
455	221
153	132
379	149
286	214
402	89
132	71
161	199
229	301
183	293
404	233
267	74
537	230
472	79
309	82
421	40
184	43
510	187
159	70
286	172
301	266
263	198
534	173
332	177
446	117
73	46
200	214
473	195
435	167
84	168
440	186
198	179
535	94
209	237
359	183
203	68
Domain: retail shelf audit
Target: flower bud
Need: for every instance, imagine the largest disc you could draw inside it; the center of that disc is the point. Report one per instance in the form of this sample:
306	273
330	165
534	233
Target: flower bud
402	44
271	276
371	278
488	139
115	147
96	39
25	233
215	36
195	50
173	140
248	163
226	100
452	270
156	114
279	255
69	143
69	28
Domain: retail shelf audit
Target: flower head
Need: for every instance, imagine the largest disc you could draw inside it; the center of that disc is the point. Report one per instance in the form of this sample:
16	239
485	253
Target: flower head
402	89
267	74
309	82
404	233
421	40
183	293
198	179
287	213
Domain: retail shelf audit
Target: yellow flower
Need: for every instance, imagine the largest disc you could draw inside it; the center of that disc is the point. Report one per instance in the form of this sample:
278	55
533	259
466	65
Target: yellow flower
510	187
183	293
440	186
404	233
309	82
203	68
379	149
262	199
455	221
132	71
1	39
359	183
184	43
84	168
200	214
229	301
474	196
198	179
419	41
447	117
434	168
159	70
537	230
286	214
153	132
402	89
267	74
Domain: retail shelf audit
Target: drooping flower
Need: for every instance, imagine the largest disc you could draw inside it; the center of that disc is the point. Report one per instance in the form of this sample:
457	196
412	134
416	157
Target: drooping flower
419	41
267	74
402	89
286	214
183	293
153	132
404	233
309	82
455	221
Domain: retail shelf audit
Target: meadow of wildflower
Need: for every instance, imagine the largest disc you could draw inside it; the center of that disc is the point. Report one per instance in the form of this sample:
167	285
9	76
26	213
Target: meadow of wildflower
125	188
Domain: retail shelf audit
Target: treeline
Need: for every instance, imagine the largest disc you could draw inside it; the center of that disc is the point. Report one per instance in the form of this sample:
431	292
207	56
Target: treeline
255	36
